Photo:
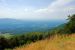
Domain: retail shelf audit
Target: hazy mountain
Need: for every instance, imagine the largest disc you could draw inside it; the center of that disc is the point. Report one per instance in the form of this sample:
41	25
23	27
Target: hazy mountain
21	26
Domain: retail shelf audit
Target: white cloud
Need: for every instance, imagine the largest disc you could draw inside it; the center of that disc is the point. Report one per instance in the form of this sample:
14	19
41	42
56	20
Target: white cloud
58	9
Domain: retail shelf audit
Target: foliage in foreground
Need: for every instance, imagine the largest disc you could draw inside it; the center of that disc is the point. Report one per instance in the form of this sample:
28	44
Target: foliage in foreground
57	42
19	40
70	26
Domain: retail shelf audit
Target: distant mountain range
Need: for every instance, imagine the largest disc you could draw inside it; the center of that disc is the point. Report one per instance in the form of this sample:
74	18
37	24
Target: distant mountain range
20	26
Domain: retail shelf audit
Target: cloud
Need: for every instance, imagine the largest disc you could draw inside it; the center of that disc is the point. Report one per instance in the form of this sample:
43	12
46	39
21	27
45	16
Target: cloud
58	9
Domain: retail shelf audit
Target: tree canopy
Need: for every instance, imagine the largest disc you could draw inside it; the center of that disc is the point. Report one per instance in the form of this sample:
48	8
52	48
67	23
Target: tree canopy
70	26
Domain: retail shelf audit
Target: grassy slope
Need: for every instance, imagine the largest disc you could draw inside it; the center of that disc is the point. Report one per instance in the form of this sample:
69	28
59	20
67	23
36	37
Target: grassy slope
64	42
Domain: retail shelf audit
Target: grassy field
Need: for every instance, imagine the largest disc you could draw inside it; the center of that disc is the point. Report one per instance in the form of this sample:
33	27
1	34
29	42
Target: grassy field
57	42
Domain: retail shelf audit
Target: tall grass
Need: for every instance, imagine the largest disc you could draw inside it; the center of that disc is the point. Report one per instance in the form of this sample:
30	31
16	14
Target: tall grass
57	42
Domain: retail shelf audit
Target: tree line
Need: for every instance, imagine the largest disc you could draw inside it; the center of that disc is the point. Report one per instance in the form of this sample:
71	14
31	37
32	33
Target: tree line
27	38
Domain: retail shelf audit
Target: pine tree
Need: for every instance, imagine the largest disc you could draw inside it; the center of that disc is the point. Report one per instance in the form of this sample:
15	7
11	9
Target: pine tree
70	26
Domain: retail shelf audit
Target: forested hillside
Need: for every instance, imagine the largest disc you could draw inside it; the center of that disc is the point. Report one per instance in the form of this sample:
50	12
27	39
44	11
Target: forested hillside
57	42
27	38
63	38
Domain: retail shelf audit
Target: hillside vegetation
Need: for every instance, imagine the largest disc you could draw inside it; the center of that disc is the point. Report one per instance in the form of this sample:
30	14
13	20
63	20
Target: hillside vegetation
12	41
58	42
60	38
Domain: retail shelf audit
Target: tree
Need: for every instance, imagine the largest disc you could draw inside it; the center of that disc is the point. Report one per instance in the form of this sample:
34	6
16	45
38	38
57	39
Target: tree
70	26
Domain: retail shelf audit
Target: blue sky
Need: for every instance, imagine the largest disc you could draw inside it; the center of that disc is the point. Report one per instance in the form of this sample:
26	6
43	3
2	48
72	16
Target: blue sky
36	9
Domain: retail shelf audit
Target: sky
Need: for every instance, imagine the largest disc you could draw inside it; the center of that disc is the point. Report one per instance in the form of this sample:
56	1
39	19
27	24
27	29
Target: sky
37	9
